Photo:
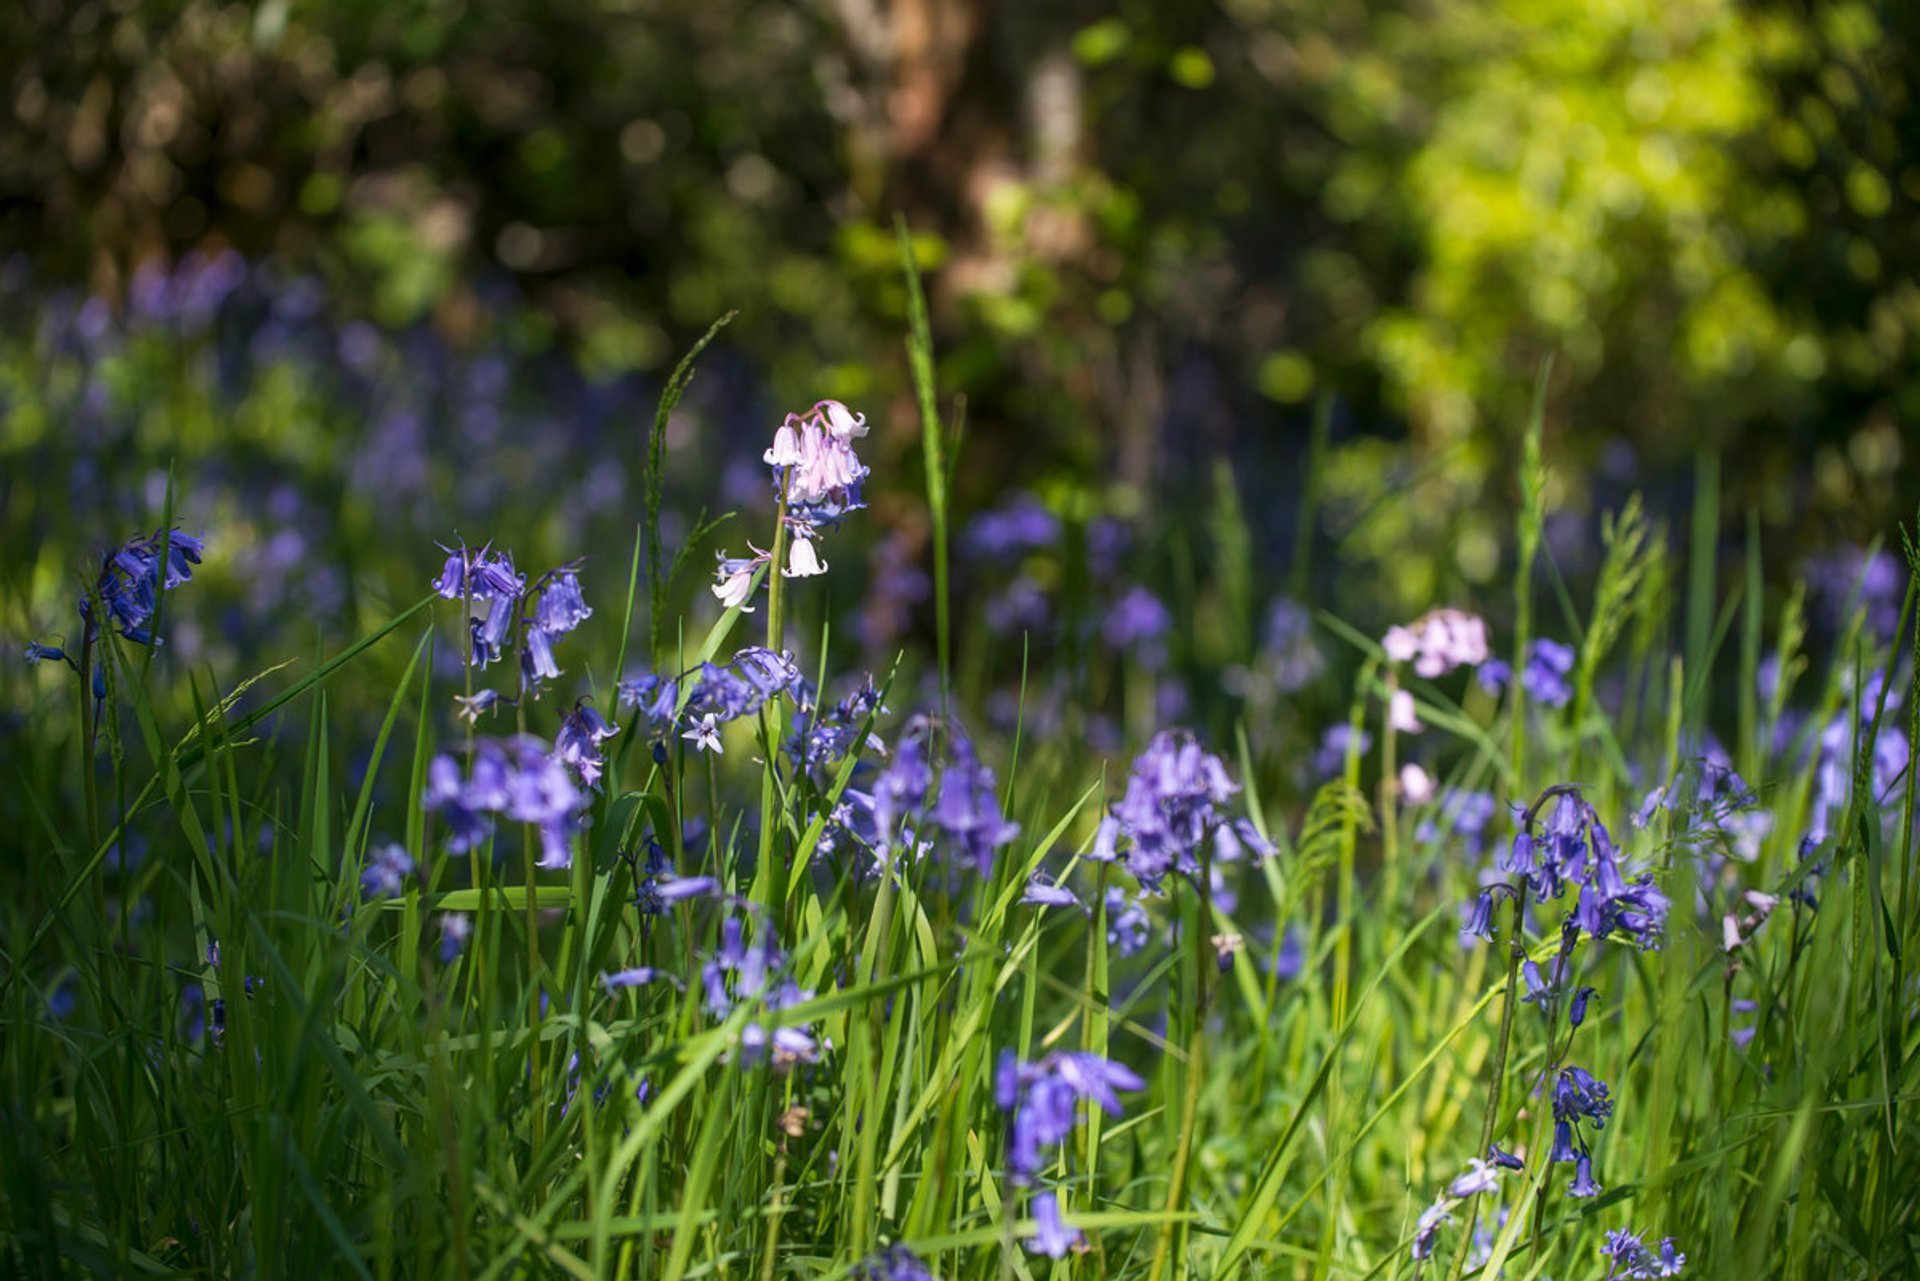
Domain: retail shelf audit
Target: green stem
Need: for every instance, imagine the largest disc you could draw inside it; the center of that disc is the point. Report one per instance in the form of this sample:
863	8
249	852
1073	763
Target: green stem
1203	961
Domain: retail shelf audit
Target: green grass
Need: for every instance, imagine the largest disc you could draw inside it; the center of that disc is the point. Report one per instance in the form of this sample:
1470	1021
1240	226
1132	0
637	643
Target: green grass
375	1109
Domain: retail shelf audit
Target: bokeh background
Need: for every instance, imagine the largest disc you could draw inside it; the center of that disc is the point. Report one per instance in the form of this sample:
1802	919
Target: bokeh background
360	275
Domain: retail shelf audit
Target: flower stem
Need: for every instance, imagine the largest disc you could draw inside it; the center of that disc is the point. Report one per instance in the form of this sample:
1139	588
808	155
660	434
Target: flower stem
1196	1069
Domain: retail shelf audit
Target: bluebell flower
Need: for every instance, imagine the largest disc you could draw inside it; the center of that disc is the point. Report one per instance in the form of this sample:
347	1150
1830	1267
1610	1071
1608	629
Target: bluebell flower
1051	1235
1480	1176
578	744
1023	524
37	653
1127	923
1582	1184
1330	759
968	808
825	738
1478	917
638	976
656	696
131	577
385	874
895	1263
1043	1098
1493	675
1438	642
704	734
1427	1230
519	778
741	971
1631	1258
1577	1011
537	664
1139	623
1290	649
561	606
1504	1159
1042	891
769	674
455	929
1170	806
1022	607
473	706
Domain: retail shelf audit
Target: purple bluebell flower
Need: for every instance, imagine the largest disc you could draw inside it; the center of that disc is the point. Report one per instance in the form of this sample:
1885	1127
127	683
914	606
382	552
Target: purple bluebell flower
1043	891
1480	1176
1582	1184
36	653
767	673
1478	917
1544	676
968	809
1010	531
385	874
895	1263
473	706
578	744
741	971
1022	607
1169	808
1504	1159
1330	759
1127	923
133	574
1051	1235
1629	1257
518	778
1427	1230
1461	815
1139	623
824	738
1850	579
638	976
561	607
1043	1098
1290	648
455	929
1577	1010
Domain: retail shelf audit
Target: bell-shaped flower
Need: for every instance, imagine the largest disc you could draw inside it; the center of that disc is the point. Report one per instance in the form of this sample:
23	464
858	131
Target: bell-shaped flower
803	561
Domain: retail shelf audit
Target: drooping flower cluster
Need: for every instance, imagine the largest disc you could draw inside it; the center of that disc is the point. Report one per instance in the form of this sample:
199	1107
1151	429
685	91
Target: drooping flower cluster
1629	1256
1575	850
544	612
817	478
1170	807
517	778
825	738
386	873
895	1263
1438	642
1479	1176
1544	677
128	586
578	744
1042	1101
697	703
656	887
741	971
483	578
927	799
1579	1098
1138	623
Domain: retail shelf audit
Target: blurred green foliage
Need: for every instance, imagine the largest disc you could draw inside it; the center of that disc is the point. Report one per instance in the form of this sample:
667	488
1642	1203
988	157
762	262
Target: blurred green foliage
1154	231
